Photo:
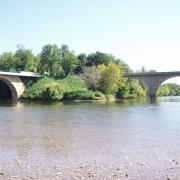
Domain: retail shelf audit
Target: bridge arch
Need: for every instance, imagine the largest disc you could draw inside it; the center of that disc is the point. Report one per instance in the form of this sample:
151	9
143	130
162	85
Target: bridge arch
153	80
15	86
154	84
177	76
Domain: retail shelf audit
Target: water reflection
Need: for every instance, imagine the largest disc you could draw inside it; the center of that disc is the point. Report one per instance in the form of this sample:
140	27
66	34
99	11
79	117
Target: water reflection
8	103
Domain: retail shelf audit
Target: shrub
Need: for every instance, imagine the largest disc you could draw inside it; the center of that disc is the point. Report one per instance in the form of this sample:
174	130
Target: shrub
45	89
73	83
92	77
130	89
84	95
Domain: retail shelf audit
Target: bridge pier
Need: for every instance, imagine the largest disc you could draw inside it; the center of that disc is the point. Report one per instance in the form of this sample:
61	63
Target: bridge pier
152	80
152	92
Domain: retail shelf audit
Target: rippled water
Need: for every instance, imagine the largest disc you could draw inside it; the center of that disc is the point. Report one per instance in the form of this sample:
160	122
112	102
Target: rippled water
133	139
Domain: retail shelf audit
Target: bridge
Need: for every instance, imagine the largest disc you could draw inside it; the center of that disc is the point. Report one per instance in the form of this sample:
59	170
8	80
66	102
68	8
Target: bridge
13	83
152	80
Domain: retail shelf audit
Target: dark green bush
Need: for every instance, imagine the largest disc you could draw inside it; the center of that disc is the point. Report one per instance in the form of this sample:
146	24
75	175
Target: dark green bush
84	95
45	89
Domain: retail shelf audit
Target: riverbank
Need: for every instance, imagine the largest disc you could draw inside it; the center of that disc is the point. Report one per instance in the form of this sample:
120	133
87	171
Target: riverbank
92	170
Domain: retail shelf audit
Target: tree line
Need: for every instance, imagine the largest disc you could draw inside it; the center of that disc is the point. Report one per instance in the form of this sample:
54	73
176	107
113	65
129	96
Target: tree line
54	60
69	76
170	89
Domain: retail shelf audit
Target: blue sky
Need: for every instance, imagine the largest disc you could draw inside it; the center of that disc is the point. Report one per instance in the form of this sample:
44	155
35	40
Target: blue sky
140	32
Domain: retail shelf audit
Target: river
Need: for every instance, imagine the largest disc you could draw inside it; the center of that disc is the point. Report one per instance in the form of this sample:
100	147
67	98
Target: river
130	139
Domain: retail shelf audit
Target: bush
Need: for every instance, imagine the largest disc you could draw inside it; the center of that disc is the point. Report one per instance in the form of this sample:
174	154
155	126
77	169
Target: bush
92	77
45	89
130	89
84	95
73	83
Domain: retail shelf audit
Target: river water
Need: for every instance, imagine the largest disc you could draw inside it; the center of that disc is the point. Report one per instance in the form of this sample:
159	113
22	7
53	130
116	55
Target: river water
130	139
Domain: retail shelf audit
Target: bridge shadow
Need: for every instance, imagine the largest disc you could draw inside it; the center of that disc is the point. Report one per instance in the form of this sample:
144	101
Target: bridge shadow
6	95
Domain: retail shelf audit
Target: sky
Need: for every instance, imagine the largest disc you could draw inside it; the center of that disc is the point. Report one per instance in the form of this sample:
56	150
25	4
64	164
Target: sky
140	32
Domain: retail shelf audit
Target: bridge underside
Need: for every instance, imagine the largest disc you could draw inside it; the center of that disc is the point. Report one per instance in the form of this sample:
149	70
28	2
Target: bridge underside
152	82
5	91
11	88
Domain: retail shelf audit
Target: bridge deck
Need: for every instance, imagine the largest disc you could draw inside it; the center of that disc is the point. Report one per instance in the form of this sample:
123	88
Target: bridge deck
22	74
153	73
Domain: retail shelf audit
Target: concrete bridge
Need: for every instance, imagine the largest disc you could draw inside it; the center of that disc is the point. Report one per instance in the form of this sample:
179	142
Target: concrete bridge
152	80
14	82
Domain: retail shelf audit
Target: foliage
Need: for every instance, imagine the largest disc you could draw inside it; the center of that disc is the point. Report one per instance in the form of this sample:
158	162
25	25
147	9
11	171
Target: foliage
95	59
84	95
98	74
125	67
92	77
170	89
82	63
69	88
7	61
50	60
45	89
69	60
131	88
73	83
76	88
111	78
105	78
25	60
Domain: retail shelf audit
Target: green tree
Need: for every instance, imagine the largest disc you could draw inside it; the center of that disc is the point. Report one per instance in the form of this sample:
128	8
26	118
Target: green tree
50	60
111	78
95	59
170	89
136	89
7	61
82	63
69	61
25	60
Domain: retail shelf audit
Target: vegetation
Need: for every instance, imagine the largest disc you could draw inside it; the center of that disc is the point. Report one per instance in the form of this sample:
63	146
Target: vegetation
67	76
45	89
70	88
170	89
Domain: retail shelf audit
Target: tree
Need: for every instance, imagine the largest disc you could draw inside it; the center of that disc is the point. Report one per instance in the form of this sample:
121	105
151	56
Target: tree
82	63
123	90
69	61
92	76
25	60
124	66
111	78
95	59
170	89
50	60
7	61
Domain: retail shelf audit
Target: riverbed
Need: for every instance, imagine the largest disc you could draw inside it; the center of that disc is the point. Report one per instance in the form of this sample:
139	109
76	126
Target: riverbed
129	139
